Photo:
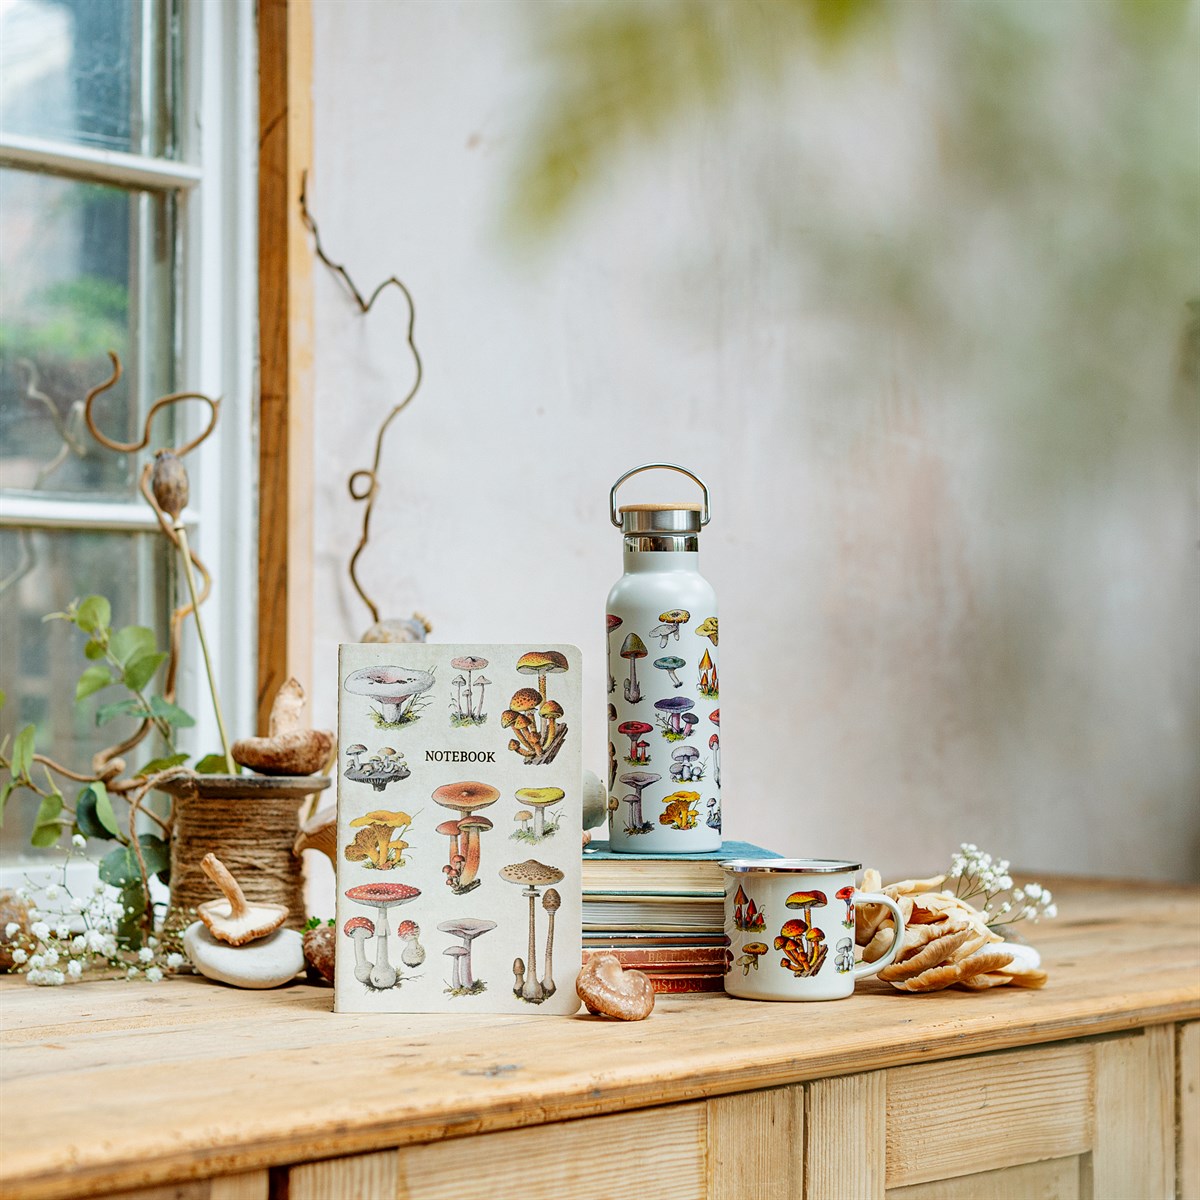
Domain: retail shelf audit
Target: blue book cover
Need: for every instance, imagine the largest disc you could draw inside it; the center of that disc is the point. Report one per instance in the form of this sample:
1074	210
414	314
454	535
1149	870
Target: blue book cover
599	849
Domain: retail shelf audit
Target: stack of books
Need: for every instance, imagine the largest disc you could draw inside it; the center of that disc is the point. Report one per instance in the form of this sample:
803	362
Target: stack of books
664	915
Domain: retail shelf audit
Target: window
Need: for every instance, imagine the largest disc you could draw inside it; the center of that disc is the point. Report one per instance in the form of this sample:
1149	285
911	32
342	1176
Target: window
126	222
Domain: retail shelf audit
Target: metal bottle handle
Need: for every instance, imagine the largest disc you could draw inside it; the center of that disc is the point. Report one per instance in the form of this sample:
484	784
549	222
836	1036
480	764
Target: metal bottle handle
658	466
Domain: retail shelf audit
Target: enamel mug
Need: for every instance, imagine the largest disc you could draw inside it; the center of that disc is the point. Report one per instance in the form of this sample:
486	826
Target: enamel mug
790	925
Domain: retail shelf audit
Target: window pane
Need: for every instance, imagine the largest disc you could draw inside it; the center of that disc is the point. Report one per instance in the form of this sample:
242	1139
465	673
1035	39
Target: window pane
43	571
87	71
86	268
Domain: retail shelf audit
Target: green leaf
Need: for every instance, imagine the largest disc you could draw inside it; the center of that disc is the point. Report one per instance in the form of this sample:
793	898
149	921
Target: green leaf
45	835
3	697
119	708
94	613
94	679
129	925
6	791
160	764
131	642
215	764
93	649
22	753
94	812
141	670
171	713
120	866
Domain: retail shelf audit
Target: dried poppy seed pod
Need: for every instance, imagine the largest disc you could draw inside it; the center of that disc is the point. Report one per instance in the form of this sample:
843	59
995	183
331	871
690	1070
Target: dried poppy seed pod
169	483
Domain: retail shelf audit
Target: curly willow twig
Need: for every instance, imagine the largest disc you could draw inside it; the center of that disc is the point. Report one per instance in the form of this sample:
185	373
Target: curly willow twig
183	611
364	484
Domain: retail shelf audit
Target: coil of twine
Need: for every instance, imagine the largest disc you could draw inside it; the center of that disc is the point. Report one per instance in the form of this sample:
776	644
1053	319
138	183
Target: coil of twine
250	833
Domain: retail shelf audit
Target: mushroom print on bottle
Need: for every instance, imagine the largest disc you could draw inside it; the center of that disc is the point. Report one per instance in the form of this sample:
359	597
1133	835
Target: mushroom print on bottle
611	623
671	663
708	628
462	871
380	896
535	720
385	766
379	844
681	810
632	649
687	766
397	694
532	875
639	781
712	818
465	708
463	981
675	718
540	800
670	623
639	752
709	686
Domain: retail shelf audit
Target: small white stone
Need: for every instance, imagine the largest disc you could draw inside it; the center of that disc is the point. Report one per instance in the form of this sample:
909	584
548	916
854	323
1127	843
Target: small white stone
1023	956
266	963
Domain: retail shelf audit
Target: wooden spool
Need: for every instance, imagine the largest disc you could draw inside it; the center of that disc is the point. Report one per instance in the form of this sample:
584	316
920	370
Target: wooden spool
250	823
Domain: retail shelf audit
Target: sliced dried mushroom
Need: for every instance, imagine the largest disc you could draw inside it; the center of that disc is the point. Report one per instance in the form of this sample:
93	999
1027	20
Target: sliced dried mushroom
610	991
235	920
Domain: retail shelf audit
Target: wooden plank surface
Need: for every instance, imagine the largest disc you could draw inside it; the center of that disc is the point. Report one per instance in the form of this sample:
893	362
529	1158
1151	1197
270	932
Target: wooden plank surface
1055	1179
845	1146
139	1077
986	1113
1134	1153
756	1136
1187	1111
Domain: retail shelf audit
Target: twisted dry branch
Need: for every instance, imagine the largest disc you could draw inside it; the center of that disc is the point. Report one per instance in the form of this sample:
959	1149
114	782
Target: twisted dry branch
363	485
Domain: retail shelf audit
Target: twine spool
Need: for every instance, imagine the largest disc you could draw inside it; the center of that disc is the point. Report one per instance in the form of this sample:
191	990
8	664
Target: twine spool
250	833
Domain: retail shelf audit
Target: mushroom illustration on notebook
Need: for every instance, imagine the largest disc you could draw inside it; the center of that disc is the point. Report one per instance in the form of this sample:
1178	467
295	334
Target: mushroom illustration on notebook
436	906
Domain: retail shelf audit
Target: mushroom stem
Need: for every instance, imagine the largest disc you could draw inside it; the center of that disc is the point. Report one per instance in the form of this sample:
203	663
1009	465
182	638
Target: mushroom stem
518	976
674	678
390	711
548	982
362	968
524	751
481	686
216	870
532	989
383	975
471	867
468	980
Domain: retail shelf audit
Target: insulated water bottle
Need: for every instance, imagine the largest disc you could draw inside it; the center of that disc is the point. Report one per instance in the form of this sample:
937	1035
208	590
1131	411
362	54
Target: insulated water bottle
664	716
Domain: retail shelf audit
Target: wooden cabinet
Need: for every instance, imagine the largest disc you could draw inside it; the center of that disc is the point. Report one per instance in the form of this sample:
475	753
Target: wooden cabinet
190	1091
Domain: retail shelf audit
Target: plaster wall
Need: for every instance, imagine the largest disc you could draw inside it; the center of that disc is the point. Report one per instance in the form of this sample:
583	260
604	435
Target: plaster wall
927	636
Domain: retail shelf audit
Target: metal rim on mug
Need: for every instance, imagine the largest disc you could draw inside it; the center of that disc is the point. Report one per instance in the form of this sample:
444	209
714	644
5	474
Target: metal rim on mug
789	866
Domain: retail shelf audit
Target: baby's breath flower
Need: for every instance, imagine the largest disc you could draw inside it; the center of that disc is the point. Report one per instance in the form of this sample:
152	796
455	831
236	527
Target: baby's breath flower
52	892
132	973
1051	910
19	956
35	963
79	841
74	968
174	961
1047	896
10	929
145	954
50	958
63	932
40	930
153	974
1033	890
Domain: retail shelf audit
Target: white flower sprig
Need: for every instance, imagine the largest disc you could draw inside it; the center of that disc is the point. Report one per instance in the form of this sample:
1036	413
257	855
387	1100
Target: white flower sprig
985	882
83	936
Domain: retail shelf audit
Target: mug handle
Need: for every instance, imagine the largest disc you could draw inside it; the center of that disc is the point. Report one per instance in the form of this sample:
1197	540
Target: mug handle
863	970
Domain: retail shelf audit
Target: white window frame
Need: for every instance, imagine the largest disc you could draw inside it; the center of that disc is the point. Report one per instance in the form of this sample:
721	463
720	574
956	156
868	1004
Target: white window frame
215	183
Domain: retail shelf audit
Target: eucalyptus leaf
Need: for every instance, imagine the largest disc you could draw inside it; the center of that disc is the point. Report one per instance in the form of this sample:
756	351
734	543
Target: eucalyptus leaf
171	713
6	791
93	613
93	649
120	866
141	670
94	679
161	764
104	808
131	642
22	752
87	820
133	904
119	708
45	835
215	764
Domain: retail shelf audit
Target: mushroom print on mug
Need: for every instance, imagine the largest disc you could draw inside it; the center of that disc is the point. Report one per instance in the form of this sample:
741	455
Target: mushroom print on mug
434	914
